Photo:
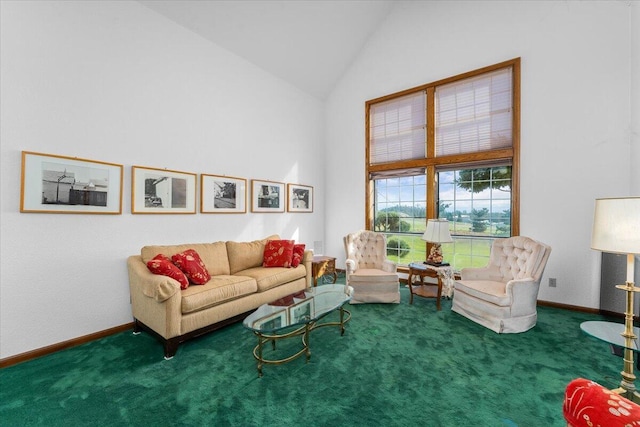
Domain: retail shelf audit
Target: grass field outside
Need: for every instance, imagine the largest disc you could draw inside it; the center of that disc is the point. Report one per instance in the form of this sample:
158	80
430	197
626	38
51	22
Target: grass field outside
467	250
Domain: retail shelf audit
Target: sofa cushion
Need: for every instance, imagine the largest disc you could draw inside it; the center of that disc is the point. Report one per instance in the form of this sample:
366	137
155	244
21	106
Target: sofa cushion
214	255
161	264
373	275
487	290
192	266
243	255
278	253
298	254
216	291
267	278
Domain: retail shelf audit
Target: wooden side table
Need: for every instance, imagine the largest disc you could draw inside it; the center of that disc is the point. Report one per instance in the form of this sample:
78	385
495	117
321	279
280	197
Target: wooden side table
425	290
323	266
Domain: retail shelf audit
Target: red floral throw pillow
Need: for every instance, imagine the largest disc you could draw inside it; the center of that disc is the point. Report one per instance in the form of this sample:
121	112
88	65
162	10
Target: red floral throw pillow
278	253
161	264
587	403
298	253
192	266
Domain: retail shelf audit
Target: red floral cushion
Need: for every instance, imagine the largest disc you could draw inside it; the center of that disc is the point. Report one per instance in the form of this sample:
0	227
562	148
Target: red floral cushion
161	264
278	253
587	403
192	266
298	253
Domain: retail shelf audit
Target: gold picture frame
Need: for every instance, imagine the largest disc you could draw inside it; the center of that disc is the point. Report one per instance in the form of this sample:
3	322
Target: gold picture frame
222	194
267	196
299	198
162	191
52	183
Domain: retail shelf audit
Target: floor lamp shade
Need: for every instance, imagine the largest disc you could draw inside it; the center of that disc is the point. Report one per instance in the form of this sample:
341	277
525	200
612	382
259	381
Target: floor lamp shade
616	226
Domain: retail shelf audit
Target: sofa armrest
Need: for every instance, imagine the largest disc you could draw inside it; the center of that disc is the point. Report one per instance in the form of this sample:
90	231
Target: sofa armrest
307	259
351	265
389	266
151	285
523	294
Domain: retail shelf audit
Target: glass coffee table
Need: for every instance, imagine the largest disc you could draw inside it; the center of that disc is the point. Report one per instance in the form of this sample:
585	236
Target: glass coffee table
297	315
612	333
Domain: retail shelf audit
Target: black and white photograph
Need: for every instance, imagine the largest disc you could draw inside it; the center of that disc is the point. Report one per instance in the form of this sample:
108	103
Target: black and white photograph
299	198
60	184
267	196
162	191
222	194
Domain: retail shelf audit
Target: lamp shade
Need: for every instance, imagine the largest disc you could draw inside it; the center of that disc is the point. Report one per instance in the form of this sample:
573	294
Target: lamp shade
437	231
616	226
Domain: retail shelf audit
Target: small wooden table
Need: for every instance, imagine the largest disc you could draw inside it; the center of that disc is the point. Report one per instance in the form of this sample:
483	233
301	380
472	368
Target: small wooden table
426	290
321	266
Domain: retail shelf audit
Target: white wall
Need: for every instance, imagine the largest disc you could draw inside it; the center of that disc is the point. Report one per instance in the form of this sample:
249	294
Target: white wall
575	136
634	95
116	82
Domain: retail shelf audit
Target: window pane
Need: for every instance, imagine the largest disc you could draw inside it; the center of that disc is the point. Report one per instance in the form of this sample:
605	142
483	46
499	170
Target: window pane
400	213
479	210
398	129
474	114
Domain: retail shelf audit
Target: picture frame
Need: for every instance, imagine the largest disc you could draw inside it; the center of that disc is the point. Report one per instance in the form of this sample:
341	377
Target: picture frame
301	312
162	191
267	196
299	198
52	183
272	321
222	194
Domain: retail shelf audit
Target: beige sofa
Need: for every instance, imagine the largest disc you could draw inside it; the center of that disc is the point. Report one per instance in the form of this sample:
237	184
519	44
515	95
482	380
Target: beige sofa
239	284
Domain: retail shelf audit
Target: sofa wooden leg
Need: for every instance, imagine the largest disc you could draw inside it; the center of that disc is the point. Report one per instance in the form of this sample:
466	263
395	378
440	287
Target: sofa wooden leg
136	327
170	348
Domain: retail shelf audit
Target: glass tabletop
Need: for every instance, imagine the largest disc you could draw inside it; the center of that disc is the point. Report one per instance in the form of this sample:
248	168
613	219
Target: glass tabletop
297	309
610	332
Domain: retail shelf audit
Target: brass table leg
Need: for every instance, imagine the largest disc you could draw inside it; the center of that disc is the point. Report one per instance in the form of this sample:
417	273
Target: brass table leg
627	384
260	341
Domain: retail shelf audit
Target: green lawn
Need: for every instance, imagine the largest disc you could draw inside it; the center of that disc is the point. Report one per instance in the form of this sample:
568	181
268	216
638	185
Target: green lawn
464	252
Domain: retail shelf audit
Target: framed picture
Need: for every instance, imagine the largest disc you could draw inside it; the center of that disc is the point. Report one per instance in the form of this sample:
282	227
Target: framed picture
267	196
299	198
301	312
60	184
222	194
162	191
272	321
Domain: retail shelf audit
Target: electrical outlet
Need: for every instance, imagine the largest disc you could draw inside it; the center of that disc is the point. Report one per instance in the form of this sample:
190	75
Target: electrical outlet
552	282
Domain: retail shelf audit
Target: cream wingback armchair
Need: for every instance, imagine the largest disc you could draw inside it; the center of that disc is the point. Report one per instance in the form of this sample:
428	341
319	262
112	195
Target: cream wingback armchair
371	275
503	295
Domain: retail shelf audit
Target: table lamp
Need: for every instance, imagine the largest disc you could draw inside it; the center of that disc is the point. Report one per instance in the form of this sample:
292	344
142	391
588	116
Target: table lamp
437	232
616	229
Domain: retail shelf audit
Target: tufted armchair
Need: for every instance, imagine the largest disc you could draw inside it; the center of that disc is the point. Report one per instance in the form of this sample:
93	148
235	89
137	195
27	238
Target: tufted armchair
371	275
503	295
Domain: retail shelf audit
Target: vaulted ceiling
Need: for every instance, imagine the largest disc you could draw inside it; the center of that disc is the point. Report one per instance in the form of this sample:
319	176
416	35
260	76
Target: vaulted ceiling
309	44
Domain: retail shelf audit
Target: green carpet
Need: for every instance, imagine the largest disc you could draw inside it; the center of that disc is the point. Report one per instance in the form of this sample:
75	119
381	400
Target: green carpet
396	365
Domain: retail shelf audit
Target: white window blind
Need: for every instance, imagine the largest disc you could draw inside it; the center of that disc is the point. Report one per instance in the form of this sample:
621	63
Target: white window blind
398	129
474	114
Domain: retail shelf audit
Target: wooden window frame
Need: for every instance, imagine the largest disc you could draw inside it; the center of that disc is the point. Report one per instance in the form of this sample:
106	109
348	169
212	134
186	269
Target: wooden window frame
431	162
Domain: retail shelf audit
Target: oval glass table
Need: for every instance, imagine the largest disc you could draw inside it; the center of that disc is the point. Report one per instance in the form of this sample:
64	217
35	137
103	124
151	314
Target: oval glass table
296	315
621	345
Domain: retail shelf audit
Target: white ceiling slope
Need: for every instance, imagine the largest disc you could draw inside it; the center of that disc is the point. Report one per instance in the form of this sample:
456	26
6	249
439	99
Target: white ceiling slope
308	43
